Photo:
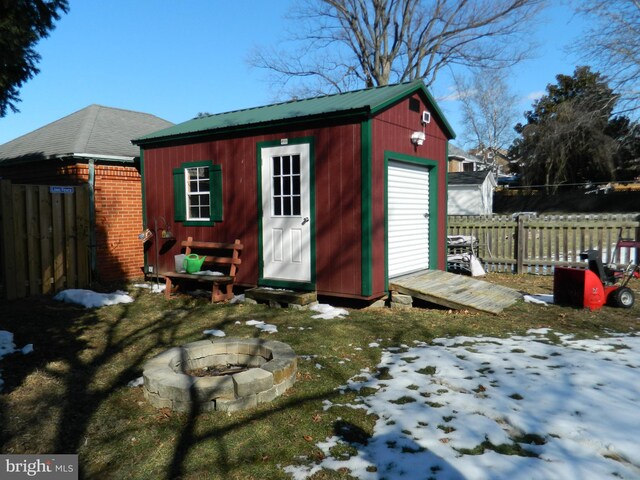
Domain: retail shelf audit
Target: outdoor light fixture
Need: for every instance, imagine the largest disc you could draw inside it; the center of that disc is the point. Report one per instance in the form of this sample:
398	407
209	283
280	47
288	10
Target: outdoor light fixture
417	138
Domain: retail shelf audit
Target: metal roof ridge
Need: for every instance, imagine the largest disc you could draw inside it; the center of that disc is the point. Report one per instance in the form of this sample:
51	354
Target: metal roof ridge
307	99
363	100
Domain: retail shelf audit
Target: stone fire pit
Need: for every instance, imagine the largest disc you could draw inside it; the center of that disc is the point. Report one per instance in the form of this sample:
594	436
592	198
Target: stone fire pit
268	370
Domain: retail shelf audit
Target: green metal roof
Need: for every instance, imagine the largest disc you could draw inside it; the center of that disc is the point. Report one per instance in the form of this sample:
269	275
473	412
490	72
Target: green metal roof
365	102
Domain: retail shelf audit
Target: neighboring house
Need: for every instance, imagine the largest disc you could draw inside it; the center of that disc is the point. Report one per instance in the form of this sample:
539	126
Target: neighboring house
334	194
499	159
462	161
92	146
471	193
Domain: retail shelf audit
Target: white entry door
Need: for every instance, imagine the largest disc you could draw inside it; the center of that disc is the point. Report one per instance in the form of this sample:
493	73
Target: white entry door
408	218
286	213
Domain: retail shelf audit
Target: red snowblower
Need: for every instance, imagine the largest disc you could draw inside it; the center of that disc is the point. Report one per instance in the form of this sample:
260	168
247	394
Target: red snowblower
598	284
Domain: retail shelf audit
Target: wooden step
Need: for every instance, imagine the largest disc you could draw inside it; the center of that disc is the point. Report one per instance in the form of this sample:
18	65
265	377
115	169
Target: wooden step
263	294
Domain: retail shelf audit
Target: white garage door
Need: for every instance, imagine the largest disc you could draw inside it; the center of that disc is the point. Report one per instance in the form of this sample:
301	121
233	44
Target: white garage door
408	218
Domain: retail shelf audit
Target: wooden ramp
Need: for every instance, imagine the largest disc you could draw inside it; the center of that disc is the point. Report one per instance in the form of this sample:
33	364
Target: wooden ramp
455	291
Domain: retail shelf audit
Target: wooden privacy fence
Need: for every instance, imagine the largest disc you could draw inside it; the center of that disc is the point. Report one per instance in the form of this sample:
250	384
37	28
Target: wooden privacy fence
535	244
44	239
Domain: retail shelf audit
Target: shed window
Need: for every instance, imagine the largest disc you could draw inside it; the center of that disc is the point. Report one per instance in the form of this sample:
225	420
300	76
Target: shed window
197	193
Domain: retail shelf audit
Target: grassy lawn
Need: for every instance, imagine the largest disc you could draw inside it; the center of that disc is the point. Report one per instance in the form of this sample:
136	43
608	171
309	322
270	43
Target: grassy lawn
71	394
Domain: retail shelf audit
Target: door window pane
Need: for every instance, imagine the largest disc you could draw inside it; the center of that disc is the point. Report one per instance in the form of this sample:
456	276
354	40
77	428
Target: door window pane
286	194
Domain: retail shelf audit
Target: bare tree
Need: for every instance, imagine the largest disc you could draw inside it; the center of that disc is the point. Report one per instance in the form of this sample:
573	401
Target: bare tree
489	115
612	43
342	44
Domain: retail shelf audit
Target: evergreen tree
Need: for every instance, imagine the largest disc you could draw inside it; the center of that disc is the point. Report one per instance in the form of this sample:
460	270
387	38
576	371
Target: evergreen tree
572	137
22	24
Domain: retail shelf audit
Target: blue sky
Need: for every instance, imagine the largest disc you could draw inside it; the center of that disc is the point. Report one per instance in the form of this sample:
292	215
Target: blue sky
175	59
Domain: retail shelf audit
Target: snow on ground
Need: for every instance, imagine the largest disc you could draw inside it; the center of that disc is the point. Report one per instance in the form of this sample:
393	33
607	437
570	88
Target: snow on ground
260	325
238	299
570	408
541	299
90	299
327	312
154	287
7	347
214	332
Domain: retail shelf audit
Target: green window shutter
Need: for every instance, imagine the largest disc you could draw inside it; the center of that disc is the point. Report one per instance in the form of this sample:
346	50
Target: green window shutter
179	200
216	193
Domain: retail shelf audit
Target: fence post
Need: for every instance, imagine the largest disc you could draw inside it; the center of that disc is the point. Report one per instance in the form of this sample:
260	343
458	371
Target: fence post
7	243
520	242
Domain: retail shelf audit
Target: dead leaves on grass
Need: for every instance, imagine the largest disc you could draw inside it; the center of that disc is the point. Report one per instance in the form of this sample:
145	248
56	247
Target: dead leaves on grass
164	414
303	376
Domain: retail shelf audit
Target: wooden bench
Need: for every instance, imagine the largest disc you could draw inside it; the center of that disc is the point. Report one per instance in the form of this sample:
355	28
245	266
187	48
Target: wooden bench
226	258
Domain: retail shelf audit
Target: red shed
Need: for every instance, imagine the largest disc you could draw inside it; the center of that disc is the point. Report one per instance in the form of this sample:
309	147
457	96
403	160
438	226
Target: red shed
334	194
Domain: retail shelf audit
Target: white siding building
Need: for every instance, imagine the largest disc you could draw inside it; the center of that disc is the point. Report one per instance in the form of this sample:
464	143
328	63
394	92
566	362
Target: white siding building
471	193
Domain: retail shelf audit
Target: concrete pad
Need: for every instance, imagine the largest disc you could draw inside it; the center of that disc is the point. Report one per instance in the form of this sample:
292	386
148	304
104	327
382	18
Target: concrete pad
402	299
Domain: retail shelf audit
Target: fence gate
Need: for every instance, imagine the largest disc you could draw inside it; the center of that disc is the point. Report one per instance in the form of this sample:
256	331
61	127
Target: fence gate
44	239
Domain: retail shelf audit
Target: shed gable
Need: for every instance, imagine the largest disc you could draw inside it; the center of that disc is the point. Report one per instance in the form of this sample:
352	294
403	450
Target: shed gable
358	105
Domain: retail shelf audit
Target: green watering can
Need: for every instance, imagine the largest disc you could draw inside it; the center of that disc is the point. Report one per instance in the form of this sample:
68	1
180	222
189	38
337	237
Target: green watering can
193	262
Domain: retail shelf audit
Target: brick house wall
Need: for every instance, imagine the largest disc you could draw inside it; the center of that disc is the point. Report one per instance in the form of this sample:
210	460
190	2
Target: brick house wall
118	210
118	203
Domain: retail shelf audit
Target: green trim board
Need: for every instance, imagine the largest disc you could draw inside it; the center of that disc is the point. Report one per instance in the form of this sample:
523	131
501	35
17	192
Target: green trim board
366	177
143	183
446	207
432	166
310	286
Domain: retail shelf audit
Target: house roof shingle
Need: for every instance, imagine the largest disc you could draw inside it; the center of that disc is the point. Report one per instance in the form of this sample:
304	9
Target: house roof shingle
458	153
468	178
360	102
94	130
